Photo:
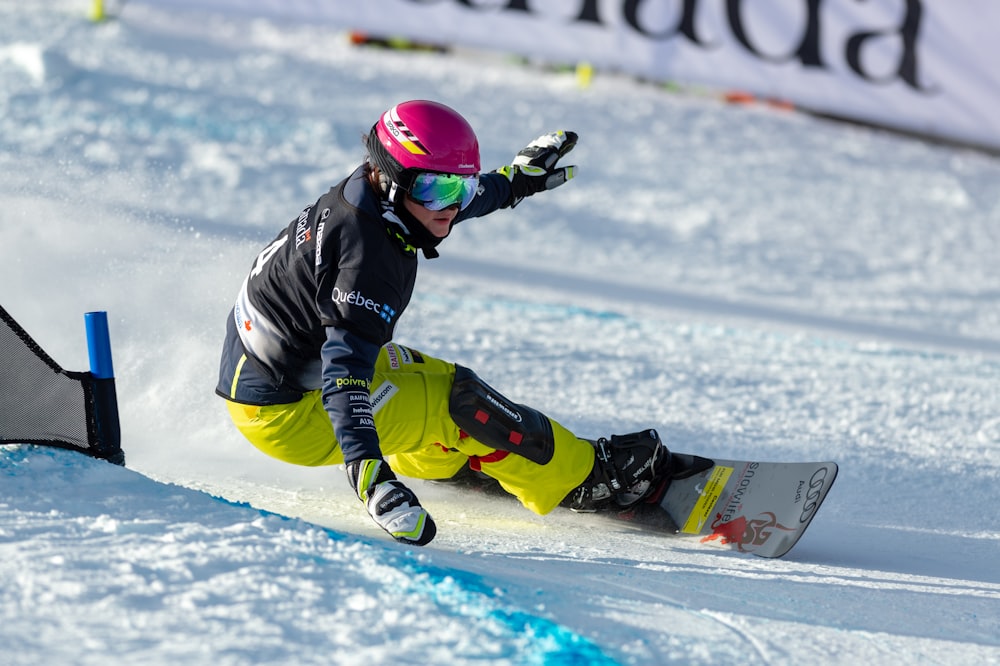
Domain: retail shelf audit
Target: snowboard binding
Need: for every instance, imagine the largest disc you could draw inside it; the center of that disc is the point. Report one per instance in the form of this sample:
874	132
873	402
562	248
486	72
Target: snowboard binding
627	468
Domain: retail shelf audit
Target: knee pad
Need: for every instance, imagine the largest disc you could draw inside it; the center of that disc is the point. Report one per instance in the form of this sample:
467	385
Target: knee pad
490	418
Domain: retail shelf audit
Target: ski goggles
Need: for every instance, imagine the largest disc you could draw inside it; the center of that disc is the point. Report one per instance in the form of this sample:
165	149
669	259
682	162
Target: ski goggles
437	191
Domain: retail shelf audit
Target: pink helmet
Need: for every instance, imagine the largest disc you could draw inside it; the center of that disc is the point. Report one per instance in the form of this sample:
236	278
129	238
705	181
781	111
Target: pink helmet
418	136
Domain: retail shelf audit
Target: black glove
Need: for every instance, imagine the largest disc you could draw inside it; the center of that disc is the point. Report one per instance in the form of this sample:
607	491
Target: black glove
533	170
391	504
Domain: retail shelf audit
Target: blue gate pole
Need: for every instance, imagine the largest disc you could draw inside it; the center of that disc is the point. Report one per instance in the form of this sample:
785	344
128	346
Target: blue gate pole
107	429
99	345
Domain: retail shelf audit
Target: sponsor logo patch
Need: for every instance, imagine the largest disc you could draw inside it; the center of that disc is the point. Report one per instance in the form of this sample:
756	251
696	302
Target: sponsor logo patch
356	299
382	394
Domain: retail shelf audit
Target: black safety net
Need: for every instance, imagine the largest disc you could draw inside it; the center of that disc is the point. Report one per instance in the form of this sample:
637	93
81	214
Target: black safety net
40	403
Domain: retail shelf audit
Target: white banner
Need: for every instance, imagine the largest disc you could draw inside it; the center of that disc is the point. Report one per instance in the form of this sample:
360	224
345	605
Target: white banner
923	66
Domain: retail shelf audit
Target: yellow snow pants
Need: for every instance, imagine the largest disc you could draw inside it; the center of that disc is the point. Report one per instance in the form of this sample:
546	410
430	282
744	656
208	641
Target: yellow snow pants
410	396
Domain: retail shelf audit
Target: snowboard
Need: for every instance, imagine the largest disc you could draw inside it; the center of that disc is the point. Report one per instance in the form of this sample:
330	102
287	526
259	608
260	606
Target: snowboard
761	508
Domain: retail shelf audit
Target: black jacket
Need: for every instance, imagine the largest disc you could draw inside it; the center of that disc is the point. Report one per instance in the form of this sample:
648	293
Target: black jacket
320	301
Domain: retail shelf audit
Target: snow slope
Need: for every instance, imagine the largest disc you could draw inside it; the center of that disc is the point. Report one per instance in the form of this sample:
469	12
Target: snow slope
752	282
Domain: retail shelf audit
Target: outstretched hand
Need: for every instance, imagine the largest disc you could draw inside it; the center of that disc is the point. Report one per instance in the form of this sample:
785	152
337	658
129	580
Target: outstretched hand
534	168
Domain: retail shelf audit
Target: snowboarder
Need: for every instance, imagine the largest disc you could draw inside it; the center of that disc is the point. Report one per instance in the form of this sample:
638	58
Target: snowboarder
310	374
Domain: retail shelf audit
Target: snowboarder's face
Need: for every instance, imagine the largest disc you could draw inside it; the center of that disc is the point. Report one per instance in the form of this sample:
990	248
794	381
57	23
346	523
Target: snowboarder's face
437	222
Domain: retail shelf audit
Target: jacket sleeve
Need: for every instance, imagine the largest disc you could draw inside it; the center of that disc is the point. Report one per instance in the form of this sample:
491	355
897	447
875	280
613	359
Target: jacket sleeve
494	194
348	368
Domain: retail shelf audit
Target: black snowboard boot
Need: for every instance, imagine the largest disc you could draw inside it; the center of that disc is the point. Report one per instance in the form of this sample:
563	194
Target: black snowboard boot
626	469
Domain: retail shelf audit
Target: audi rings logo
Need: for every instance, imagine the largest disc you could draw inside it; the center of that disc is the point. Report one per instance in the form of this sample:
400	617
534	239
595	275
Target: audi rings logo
816	483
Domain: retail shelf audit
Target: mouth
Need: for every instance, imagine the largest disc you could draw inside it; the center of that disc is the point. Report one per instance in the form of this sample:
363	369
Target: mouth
439	226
